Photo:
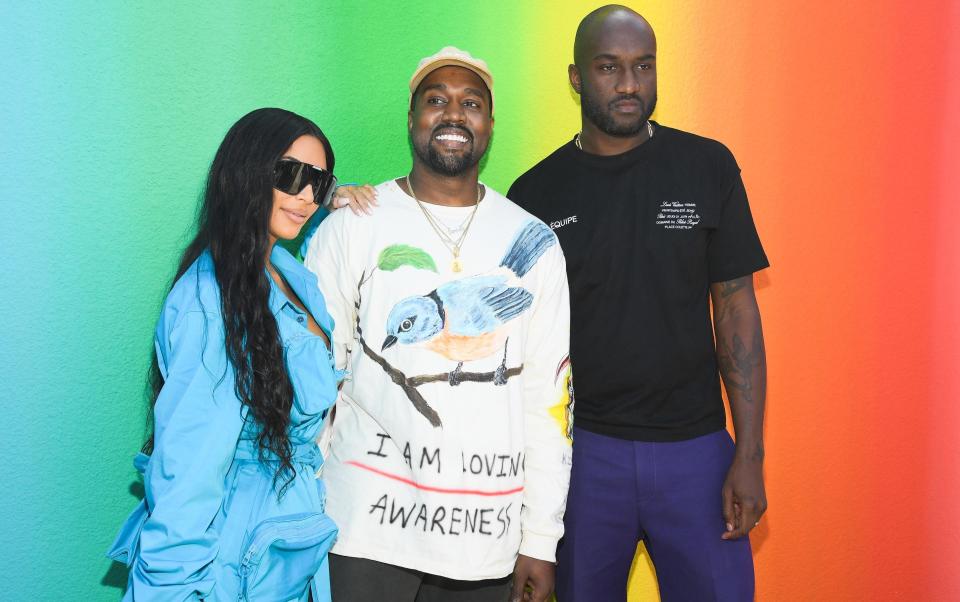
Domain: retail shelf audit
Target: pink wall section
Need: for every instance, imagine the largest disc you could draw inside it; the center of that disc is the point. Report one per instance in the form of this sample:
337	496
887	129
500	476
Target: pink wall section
940	517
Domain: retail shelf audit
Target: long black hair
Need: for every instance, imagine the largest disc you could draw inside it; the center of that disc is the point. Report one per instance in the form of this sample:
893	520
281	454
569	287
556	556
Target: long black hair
233	223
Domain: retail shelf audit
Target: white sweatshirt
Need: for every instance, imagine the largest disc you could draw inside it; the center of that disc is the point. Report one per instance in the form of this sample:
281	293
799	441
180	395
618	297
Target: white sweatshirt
438	469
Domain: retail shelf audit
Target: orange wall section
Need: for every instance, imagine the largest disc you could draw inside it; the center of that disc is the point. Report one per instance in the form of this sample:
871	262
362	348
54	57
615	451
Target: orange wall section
832	112
844	119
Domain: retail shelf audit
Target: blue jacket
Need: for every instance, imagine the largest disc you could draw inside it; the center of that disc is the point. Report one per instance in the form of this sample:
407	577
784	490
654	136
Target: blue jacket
211	526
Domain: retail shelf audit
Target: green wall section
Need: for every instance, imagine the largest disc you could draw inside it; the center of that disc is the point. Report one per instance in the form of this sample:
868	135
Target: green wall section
111	113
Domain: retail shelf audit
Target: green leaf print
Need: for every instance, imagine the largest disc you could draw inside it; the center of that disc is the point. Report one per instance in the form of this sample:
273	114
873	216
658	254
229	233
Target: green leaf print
396	256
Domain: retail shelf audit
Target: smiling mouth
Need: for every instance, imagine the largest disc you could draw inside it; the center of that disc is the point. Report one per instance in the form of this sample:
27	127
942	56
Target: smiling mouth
452	137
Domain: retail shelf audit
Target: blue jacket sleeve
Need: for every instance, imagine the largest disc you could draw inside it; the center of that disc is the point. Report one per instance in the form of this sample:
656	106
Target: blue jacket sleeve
198	421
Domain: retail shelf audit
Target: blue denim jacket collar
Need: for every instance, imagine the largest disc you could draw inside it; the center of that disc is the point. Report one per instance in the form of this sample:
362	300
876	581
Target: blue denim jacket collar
304	284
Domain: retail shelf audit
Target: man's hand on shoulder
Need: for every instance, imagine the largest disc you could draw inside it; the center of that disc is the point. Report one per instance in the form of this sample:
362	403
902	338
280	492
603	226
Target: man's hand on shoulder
533	579
360	199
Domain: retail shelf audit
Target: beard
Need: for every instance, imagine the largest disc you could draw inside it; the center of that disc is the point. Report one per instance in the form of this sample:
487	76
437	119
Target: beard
445	164
602	115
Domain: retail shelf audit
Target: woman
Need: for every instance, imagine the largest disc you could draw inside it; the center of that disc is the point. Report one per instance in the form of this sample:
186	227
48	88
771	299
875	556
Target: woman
233	509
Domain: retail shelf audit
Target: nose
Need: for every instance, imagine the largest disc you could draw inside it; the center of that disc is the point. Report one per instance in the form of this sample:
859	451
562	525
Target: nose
306	195
453	112
627	83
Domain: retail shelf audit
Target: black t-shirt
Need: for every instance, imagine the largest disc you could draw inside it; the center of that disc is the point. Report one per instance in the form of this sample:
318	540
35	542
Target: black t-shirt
645	233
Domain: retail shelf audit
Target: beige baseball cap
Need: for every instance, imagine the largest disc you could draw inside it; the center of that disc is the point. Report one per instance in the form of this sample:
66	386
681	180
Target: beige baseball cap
451	55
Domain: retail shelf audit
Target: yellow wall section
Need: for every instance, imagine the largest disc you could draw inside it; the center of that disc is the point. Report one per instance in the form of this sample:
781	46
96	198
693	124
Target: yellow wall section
554	108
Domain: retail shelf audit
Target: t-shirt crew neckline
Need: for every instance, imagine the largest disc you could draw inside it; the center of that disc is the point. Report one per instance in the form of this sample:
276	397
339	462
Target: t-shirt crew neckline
635	153
441	209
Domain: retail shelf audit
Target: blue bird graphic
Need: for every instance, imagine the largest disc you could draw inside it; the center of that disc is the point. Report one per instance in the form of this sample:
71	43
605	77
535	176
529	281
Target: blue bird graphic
463	320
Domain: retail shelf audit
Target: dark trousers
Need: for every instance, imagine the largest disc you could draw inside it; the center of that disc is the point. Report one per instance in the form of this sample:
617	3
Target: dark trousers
362	580
666	494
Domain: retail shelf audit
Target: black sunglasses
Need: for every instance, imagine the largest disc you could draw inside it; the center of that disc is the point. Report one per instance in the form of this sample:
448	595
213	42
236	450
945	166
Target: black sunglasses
292	176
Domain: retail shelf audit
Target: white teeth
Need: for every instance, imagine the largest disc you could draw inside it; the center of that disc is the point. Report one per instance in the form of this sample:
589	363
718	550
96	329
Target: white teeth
453	137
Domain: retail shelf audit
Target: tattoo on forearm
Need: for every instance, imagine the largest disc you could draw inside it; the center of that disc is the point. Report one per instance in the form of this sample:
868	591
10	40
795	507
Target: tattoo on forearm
723	308
731	286
721	311
738	364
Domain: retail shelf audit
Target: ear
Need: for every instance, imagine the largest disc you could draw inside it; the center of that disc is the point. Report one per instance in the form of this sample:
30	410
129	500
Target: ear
409	121
574	75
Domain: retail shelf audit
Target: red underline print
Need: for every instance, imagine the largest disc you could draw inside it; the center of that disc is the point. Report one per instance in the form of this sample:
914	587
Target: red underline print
433	489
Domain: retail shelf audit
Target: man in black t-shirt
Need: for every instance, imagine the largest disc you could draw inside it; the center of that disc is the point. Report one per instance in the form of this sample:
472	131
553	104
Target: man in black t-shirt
654	223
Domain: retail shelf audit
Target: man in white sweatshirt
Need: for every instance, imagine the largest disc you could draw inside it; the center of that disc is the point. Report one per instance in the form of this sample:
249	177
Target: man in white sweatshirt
450	449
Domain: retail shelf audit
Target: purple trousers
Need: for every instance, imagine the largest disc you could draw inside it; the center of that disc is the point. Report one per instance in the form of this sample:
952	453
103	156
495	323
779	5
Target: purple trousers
666	494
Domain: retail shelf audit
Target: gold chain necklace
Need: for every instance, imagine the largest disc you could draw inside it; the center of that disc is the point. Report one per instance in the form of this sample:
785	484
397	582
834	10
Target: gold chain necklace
445	233
576	139
448	241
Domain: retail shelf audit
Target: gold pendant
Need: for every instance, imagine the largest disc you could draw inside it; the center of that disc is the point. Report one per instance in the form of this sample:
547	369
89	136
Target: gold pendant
455	266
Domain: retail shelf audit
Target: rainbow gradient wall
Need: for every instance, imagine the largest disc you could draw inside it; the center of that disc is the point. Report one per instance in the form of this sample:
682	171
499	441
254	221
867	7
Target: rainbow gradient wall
845	117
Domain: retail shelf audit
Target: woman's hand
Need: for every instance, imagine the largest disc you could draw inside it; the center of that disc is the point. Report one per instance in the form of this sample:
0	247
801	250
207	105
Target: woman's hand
361	199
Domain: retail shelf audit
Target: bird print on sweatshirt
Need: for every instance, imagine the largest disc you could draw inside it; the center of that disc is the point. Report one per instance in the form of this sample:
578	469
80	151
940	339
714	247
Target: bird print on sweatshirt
465	320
